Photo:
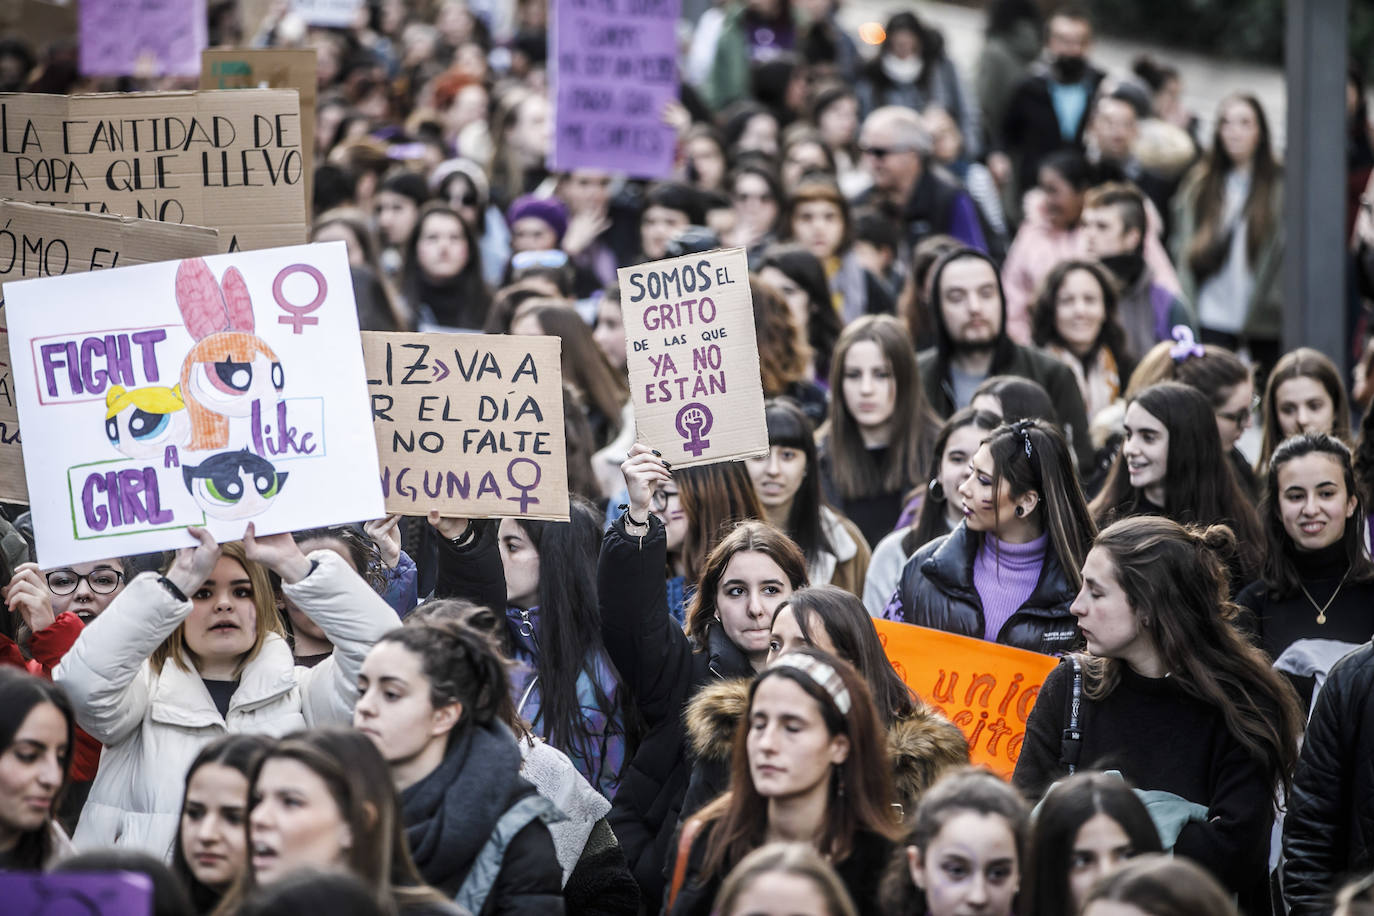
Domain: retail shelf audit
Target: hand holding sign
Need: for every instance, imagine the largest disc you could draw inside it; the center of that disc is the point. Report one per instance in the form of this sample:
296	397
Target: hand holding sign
645	471
193	565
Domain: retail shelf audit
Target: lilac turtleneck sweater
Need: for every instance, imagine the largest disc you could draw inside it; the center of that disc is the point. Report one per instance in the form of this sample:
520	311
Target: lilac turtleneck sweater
1004	576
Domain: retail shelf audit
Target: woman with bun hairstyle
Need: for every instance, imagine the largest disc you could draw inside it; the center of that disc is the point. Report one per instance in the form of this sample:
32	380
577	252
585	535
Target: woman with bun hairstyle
808	766
1314	523
1086	827
744	578
1164	661
1171	464
1008	572
1304	394
430	696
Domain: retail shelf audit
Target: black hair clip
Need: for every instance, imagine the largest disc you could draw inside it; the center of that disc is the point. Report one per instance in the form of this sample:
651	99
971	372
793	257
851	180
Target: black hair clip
1022	428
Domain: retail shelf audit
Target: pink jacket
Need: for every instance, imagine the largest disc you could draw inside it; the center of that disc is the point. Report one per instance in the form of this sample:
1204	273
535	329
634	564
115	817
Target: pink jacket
1039	246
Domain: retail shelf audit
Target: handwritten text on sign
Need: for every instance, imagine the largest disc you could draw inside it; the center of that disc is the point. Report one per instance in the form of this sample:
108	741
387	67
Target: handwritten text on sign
693	358
44	242
231	160
985	688
471	425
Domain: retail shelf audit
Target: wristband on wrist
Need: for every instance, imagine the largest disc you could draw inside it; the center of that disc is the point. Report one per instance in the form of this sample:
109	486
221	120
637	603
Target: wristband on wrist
462	539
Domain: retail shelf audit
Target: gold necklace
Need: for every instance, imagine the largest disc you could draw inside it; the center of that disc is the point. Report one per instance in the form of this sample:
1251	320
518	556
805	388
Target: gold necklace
1321	608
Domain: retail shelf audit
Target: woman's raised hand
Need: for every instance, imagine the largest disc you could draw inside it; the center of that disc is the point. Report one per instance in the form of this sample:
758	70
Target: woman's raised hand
193	565
645	470
450	526
27	595
278	552
386	534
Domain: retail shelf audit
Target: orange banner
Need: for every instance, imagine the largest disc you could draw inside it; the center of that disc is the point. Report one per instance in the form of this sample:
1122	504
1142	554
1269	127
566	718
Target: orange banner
985	688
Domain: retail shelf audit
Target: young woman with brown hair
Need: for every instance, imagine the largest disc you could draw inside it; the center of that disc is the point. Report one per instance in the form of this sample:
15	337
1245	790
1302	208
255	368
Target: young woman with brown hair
808	766
1304	394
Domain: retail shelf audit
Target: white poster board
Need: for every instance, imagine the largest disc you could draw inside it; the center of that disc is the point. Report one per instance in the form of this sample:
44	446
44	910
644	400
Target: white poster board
210	391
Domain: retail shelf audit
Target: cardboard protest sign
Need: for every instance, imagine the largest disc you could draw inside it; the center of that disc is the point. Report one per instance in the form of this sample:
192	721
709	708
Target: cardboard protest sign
693	357
985	688
89	893
209	391
270	68
469	424
613	68
229	160
44	242
339	14
142	37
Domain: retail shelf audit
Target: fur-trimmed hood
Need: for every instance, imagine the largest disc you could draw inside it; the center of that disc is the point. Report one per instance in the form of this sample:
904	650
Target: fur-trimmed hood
921	746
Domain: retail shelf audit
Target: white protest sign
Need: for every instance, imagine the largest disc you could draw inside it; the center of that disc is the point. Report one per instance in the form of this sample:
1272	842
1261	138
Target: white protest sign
209	391
693	357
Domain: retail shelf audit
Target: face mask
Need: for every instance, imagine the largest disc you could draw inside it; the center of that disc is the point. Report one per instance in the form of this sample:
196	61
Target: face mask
902	71
1069	69
1126	266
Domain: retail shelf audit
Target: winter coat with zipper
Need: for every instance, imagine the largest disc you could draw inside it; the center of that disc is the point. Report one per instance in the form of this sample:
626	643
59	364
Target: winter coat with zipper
153	723
920	747
936	590
662	670
1328	833
475	572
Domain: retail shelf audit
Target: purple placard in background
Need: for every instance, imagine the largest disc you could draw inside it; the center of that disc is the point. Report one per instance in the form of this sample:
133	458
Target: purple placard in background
613	66
117	34
103	894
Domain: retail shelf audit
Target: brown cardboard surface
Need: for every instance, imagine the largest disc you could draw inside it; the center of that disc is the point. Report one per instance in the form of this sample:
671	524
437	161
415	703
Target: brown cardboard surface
693	357
46	242
39	22
231	160
469	424
270	68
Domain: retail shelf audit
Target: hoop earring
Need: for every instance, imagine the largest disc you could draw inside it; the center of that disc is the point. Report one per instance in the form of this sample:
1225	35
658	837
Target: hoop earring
936	490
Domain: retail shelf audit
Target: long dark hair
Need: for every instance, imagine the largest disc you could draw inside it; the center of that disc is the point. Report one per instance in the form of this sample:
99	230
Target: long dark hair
238	752
752	536
1176	577
1280	573
1045	331
1304	362
1207	252
716	498
585	366
1031	455
1164	886
850	629
931	522
789	427
855	472
20	694
740	816
805	269
471	295
1201	487
1067	806
569	630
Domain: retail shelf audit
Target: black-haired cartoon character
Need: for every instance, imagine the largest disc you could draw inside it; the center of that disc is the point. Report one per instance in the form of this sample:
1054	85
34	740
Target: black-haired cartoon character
233	484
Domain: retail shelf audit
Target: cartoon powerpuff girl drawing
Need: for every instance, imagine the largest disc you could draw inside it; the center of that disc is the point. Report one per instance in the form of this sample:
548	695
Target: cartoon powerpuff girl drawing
229	367
143	422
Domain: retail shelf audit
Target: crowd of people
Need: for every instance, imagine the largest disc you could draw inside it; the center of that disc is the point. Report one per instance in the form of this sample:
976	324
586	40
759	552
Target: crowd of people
1015	324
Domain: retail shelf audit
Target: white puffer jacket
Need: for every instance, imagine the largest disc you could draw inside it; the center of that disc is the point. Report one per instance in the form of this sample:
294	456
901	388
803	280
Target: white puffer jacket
153	723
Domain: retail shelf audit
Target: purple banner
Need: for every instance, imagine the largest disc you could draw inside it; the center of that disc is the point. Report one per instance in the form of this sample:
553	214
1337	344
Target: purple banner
613	64
142	37
95	894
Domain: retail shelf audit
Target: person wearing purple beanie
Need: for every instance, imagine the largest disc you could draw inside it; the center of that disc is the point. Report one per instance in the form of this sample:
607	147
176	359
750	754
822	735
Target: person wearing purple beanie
536	223
1010	570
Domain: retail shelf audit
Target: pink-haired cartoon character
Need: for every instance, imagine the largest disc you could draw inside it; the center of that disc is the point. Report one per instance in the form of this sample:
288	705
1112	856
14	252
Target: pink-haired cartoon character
229	367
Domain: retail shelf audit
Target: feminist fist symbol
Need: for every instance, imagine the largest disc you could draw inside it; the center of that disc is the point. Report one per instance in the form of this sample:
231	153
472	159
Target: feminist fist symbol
693	422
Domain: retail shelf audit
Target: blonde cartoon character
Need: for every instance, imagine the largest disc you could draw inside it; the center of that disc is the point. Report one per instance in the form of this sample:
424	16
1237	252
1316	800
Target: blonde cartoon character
143	422
230	368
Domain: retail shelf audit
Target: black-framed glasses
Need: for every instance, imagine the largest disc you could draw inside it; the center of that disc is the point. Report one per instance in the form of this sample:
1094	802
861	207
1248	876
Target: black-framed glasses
659	500
1242	416
102	581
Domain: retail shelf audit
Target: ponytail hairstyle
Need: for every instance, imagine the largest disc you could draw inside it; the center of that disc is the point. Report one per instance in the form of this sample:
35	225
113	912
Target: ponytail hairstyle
460	665
756	536
1031	455
1280	573
740	816
1303	362
1201	488
1211	369
965	790
1174	578
931	522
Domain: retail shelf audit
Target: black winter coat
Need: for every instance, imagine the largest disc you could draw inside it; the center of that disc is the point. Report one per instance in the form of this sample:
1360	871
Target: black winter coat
936	590
1031	131
1328	834
662	669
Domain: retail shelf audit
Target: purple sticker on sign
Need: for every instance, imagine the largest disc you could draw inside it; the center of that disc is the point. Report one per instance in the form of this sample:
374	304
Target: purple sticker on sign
94	894
613	65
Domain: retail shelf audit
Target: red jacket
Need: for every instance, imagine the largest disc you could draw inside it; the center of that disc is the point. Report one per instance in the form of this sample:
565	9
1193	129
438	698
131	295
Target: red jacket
48	646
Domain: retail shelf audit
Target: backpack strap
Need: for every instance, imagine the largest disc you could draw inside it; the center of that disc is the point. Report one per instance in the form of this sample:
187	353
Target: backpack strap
684	853
1071	741
487	866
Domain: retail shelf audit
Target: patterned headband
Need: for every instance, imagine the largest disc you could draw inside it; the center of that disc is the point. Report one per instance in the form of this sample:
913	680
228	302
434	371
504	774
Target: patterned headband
822	674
